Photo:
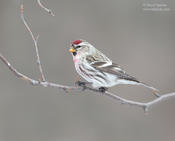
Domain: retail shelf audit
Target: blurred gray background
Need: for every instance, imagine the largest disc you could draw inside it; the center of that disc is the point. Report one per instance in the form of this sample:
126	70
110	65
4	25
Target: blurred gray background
142	42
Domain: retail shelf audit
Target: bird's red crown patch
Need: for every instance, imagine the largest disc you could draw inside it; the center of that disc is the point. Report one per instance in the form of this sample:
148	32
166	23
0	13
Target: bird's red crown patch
76	42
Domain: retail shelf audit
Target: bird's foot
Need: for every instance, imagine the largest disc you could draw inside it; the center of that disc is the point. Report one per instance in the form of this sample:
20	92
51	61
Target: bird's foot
81	84
76	78
102	89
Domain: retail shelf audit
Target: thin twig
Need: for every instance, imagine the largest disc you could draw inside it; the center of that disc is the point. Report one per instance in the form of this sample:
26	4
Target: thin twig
146	105
35	42
16	73
66	88
46	9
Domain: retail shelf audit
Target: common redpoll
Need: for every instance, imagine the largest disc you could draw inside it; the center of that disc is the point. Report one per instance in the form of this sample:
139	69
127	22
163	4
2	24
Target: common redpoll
98	69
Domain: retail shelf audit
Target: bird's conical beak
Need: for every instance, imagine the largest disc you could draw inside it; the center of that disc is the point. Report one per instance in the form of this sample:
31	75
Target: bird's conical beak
72	50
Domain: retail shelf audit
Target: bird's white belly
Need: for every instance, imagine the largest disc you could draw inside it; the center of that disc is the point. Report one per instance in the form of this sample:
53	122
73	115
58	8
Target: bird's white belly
97	78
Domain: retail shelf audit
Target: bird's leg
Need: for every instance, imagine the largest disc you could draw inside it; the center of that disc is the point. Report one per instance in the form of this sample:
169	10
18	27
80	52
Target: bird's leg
76	79
80	83
102	89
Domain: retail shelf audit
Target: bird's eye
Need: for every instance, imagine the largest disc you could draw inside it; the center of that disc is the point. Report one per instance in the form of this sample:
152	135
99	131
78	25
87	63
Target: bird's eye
77	47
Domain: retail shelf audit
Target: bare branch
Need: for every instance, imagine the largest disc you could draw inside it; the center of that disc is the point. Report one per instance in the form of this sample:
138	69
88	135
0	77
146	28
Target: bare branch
35	42
16	73
66	88
46	9
32	81
146	105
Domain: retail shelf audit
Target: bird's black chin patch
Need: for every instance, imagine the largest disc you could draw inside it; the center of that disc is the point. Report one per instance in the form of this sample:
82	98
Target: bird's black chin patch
74	53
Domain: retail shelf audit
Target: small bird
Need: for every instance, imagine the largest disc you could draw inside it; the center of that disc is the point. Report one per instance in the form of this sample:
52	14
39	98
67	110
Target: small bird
98	69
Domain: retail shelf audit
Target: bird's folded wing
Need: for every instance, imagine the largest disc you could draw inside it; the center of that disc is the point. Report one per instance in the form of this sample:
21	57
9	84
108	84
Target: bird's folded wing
113	69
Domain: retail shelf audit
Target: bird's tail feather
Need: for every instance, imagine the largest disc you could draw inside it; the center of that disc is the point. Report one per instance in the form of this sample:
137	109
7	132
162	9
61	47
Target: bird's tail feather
147	86
137	83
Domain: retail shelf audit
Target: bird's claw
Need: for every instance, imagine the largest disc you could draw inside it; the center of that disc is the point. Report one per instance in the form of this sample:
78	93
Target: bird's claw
102	89
81	84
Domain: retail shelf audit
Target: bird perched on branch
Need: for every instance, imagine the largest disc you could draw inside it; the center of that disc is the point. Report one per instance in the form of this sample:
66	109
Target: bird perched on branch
98	69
